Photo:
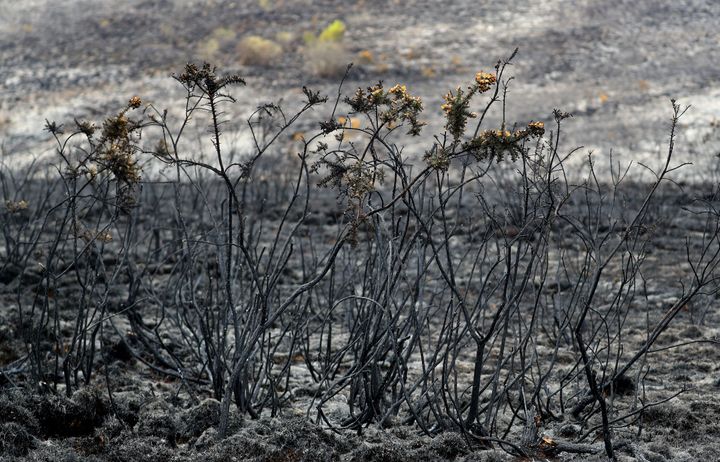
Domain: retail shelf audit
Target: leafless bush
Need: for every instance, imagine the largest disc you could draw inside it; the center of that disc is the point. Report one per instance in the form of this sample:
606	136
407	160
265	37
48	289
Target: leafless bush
479	291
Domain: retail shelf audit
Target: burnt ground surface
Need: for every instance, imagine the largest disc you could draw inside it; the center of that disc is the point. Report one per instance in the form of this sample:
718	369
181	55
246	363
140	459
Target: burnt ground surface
614	64
151	416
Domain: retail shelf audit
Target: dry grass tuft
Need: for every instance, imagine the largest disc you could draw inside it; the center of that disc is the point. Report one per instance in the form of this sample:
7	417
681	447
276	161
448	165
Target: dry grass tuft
326	59
254	50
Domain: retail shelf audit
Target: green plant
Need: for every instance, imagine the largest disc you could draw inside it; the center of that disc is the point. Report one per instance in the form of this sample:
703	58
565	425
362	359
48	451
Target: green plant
334	32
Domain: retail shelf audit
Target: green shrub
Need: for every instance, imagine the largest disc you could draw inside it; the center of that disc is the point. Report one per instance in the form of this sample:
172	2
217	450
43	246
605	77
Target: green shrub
334	32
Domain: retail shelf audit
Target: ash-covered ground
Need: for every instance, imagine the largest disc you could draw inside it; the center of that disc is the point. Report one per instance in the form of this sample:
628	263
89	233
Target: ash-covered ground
613	64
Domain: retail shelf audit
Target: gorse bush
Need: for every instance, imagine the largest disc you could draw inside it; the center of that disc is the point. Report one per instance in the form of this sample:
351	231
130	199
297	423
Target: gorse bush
472	289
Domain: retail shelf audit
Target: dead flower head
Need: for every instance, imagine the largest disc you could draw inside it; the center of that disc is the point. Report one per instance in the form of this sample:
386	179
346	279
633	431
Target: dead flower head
135	102
16	206
394	106
484	81
536	128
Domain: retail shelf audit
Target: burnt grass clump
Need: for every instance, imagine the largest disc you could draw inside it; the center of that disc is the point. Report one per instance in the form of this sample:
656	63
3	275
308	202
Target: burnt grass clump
324	296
